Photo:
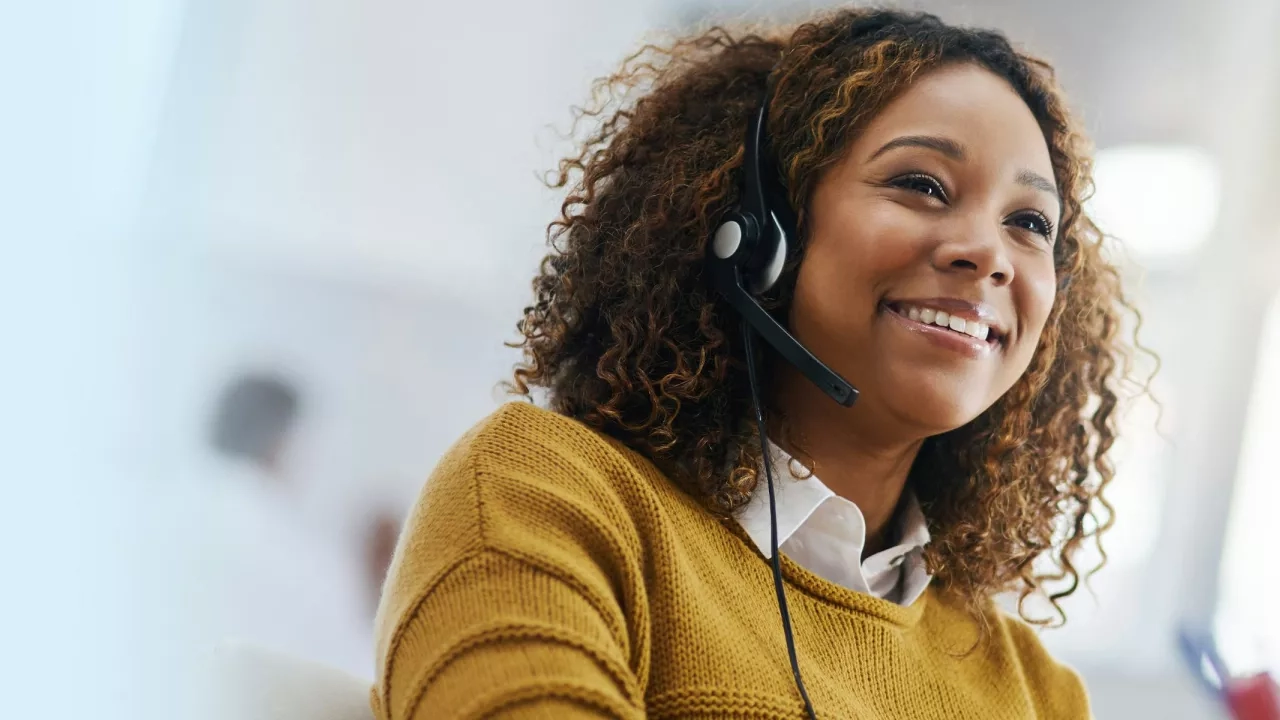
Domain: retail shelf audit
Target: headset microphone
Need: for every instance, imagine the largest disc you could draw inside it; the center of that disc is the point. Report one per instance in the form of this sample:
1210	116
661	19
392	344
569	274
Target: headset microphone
750	246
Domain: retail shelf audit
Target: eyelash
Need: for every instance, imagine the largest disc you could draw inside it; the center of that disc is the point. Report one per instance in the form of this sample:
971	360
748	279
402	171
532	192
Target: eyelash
1045	228
913	181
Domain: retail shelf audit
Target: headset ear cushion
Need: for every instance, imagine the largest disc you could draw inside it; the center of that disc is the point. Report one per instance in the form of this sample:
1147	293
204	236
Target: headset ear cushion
728	237
767	276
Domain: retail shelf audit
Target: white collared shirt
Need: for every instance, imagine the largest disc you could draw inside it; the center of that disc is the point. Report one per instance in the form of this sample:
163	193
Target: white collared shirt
825	534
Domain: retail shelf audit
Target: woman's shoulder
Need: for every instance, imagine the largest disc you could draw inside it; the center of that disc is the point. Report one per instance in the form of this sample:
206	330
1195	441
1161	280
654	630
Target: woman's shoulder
524	483
1012	649
520	440
1055	684
1025	638
528	510
524	420
525	468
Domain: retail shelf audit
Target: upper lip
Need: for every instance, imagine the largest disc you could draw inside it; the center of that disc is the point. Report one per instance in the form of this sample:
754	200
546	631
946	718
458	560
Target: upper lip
957	307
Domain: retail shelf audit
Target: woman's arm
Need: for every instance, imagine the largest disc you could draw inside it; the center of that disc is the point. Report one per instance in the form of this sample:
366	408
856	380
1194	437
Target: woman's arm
496	635
502	602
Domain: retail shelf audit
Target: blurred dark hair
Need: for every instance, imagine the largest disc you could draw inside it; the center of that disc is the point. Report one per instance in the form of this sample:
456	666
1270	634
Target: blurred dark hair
253	416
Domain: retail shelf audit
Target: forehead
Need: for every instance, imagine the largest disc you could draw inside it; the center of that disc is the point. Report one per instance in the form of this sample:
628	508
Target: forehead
970	105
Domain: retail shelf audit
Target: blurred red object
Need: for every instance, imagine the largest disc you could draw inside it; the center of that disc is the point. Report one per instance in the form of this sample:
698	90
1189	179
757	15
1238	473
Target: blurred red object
1253	698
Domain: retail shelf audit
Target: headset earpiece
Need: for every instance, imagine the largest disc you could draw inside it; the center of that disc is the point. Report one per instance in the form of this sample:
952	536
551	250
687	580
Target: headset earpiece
750	245
774	256
748	250
736	239
761	255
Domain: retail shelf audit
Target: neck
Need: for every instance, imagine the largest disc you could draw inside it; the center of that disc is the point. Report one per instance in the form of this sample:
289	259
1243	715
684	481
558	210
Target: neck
853	456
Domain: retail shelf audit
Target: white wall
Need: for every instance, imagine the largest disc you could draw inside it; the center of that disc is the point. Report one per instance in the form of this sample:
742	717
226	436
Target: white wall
83	84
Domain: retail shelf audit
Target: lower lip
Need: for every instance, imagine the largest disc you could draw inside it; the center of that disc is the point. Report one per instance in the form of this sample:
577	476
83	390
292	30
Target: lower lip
966	345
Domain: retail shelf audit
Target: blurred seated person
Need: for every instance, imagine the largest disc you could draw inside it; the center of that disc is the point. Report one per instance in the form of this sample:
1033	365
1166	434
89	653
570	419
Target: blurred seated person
264	574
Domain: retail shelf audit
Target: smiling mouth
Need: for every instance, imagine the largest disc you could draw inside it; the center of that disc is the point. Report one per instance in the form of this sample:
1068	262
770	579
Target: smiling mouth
945	321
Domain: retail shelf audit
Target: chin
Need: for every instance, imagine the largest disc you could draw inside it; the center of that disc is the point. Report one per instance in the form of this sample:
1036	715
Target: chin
935	412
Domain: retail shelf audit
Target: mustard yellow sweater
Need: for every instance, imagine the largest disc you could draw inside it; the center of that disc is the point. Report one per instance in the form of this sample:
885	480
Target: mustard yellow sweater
550	572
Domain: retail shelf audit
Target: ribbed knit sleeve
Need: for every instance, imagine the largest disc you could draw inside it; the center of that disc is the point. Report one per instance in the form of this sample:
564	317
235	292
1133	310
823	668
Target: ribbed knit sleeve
513	592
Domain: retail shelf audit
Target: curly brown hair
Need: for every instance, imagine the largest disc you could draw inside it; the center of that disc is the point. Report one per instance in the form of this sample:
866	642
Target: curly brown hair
626	335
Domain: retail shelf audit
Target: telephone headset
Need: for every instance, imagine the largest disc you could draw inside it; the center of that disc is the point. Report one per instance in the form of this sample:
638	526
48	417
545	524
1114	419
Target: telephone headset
745	259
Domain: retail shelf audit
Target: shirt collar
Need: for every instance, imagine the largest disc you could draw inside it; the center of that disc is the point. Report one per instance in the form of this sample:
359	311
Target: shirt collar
797	499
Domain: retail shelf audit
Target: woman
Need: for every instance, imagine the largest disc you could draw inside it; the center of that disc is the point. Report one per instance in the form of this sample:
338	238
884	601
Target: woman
611	556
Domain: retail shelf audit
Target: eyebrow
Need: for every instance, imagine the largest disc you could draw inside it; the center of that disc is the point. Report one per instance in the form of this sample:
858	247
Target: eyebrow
956	151
1037	181
946	146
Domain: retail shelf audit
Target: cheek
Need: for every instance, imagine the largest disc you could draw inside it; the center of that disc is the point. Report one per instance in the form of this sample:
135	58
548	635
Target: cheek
1042	292
1036	299
820	294
861	243
857	249
840	275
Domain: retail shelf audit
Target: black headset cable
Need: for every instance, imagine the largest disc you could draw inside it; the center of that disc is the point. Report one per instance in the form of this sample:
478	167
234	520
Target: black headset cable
747	333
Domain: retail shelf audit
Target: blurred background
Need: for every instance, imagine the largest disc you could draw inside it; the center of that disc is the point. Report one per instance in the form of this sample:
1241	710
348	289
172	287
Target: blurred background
319	220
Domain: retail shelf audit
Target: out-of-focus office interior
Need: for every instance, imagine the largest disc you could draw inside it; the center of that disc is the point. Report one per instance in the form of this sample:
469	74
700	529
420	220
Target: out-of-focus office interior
338	206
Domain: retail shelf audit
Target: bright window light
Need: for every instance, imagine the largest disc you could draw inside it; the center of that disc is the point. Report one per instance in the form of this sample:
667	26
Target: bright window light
1248	625
1158	200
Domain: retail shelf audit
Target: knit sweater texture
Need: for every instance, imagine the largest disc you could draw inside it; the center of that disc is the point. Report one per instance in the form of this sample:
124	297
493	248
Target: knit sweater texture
548	571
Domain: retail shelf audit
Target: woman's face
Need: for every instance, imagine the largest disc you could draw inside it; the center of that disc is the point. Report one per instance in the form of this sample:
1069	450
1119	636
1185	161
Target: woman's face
929	272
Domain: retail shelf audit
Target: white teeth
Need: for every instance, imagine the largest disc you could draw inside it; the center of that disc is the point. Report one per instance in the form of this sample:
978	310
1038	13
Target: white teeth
929	316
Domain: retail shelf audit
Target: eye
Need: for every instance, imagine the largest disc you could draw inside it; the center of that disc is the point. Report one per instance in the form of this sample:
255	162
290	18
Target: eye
1034	221
924	184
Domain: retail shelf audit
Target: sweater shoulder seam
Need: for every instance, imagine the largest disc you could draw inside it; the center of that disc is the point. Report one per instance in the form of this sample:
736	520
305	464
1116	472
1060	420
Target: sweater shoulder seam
477	551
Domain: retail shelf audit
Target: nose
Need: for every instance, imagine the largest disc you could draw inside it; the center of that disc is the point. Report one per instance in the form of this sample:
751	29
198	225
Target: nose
975	247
